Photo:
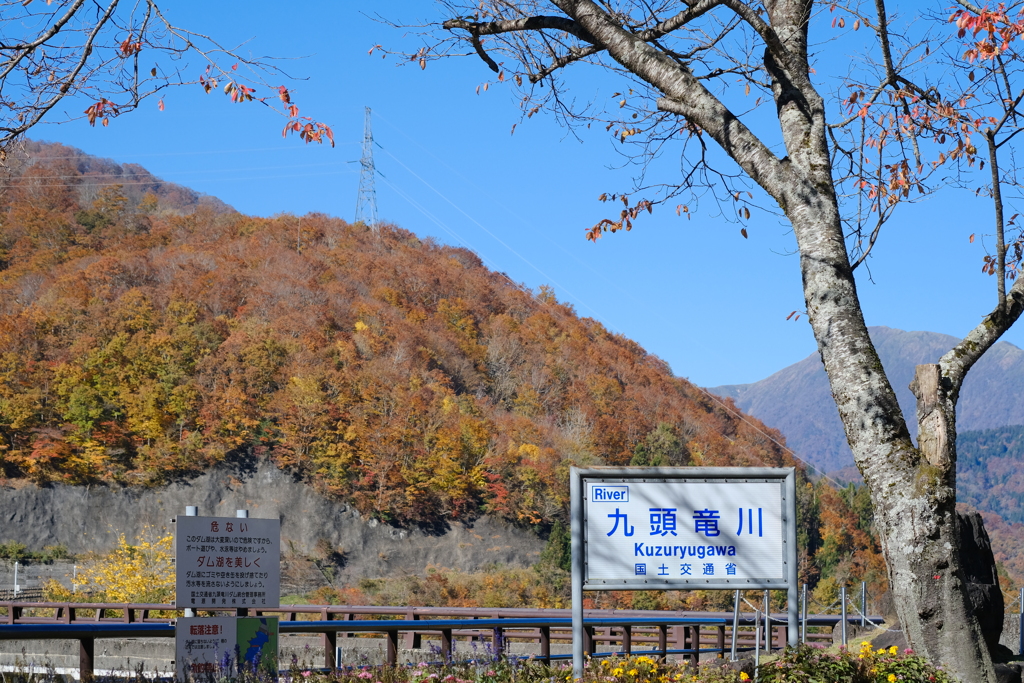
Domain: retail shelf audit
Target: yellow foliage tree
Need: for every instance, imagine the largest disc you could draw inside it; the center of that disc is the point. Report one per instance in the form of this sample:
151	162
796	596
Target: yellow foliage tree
139	572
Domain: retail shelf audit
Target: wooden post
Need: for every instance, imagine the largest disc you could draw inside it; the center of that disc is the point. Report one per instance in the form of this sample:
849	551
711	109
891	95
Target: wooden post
86	648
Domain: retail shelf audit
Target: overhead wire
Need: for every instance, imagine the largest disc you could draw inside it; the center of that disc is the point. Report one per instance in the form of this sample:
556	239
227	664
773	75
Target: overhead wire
739	415
480	225
496	201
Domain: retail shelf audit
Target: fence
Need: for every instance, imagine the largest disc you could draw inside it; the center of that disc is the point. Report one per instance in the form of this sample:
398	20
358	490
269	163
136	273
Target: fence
664	633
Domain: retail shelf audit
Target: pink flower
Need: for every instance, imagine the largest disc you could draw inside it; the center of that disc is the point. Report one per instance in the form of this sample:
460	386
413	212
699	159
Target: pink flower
305	674
365	674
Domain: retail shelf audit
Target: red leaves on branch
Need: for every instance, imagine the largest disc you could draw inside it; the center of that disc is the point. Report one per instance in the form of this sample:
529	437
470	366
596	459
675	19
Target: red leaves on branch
997	31
626	216
130	47
100	110
239	92
310	131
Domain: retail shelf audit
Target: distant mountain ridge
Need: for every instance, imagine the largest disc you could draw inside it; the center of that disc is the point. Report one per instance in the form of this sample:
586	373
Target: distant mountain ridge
986	465
798	402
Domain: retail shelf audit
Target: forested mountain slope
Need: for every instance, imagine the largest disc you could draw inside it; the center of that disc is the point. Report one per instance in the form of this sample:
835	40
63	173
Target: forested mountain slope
797	399
988	471
147	333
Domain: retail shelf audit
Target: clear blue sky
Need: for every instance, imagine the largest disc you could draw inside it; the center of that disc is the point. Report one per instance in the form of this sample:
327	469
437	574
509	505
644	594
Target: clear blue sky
695	293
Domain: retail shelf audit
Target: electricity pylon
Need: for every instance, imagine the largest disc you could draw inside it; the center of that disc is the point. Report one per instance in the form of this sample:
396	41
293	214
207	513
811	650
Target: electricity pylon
366	202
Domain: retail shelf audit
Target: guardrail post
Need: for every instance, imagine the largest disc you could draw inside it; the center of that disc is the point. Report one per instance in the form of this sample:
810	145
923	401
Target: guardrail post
721	642
663	641
413	639
446	645
545	644
627	640
696	643
588	641
347	616
86	647
393	647
498	642
330	641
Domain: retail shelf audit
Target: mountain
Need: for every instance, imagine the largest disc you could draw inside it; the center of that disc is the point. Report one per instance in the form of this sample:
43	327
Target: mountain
988	471
147	334
798	402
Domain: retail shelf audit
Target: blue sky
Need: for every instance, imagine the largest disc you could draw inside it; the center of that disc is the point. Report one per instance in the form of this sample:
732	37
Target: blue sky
694	292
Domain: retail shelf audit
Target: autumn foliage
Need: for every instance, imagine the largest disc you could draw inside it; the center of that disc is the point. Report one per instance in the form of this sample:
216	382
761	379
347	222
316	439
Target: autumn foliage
147	333
142	340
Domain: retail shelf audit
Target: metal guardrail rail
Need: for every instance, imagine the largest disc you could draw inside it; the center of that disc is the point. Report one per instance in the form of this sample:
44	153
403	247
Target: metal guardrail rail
625	627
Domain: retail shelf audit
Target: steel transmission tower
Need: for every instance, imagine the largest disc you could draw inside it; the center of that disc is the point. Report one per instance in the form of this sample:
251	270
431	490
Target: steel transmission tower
366	202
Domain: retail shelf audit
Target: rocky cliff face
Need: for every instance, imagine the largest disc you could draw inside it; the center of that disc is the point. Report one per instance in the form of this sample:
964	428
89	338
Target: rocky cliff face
89	518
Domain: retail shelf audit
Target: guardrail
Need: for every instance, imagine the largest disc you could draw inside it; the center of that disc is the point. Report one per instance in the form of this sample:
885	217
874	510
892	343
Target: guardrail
543	626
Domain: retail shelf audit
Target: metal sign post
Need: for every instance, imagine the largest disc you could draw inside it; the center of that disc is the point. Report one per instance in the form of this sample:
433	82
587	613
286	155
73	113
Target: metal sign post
679	528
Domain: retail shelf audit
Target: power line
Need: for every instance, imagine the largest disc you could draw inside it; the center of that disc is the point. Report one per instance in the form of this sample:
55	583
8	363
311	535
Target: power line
366	201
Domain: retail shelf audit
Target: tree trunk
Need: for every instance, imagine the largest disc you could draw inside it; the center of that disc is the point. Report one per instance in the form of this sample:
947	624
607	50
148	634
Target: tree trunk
919	529
912	489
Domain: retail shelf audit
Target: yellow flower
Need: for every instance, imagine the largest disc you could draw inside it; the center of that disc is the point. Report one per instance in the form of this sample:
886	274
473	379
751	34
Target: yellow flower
881	651
892	678
633	672
744	676
617	672
893	650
